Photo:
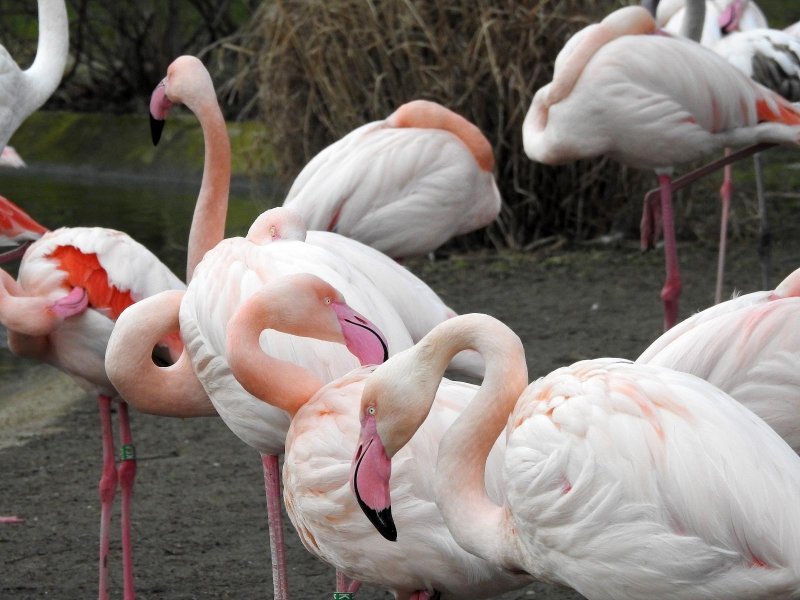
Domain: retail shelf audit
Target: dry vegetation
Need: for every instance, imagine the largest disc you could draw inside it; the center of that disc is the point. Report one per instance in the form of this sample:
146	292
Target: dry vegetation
324	68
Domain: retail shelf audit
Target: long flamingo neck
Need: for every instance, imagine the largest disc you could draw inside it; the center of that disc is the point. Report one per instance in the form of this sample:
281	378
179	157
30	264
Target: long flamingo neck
52	49
28	316
280	383
429	115
208	223
460	480
172	391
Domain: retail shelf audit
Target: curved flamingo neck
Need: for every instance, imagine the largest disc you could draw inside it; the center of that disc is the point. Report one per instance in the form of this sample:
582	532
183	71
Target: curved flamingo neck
44	75
211	209
280	383
23	315
429	115
172	391
459	485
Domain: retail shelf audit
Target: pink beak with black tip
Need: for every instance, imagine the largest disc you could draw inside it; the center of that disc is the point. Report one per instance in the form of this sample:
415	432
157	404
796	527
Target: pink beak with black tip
159	107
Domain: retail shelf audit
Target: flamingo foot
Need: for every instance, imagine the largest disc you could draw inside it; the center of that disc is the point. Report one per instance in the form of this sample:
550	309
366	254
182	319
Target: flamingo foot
11	520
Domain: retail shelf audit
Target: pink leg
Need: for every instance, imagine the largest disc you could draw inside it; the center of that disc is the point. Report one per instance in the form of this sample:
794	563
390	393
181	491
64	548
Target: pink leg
11	520
108	487
127	475
671	291
345	586
273	489
725	195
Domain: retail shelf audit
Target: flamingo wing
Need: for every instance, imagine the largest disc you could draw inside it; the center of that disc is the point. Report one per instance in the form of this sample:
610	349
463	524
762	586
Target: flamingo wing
657	476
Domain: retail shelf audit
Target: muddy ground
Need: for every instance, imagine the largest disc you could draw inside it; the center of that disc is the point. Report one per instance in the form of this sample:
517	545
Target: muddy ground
199	521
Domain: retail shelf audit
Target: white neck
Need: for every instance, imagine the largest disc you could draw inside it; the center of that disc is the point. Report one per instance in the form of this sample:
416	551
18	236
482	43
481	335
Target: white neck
44	75
476	522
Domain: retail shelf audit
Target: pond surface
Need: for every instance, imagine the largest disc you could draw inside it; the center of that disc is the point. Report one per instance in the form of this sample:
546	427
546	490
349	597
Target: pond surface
155	213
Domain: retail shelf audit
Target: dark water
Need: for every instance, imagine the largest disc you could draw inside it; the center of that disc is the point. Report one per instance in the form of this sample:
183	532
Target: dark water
155	213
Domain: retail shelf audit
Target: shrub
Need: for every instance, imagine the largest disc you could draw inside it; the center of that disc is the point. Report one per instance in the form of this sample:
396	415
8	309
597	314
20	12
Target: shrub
324	68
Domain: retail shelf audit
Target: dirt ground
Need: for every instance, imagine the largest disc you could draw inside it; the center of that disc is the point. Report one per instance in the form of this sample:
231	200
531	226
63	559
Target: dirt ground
199	523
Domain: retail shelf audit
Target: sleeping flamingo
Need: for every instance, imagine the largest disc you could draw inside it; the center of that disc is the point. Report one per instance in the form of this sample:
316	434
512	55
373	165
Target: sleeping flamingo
416	303
320	443
404	185
22	92
620	480
747	347
650	101
73	284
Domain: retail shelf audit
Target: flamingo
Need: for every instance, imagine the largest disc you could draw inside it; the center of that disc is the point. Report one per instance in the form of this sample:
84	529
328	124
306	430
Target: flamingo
17	229
417	304
319	446
116	272
404	185
650	101
73	283
748	348
738	31
22	92
620	480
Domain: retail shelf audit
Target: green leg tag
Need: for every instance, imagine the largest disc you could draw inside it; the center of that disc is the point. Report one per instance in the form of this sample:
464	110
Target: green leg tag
342	596
127	452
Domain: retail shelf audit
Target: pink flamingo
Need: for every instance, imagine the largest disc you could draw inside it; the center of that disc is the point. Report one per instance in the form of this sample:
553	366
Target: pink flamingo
404	185
315	472
619	480
674	101
748	348
721	17
22	92
73	284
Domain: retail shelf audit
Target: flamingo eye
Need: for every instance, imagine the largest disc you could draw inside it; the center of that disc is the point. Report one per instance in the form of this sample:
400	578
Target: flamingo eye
273	231
328	301
371	411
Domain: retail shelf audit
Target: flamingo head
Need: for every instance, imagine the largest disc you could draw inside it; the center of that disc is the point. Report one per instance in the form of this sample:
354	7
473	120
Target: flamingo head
17	229
279	223
187	82
395	402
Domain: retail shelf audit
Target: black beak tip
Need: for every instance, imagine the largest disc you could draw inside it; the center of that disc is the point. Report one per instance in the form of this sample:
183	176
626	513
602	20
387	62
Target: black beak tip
156	127
383	522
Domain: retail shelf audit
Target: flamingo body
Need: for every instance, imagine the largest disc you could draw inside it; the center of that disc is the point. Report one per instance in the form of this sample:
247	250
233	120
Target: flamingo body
398	187
623	105
746	347
632	481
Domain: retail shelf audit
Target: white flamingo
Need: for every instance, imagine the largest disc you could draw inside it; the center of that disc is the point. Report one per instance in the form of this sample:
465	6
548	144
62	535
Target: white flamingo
404	185
620	480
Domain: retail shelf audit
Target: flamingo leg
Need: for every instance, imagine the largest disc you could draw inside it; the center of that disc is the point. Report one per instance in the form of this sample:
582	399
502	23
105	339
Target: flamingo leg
107	488
345	586
127	475
764	234
671	291
273	490
725	195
